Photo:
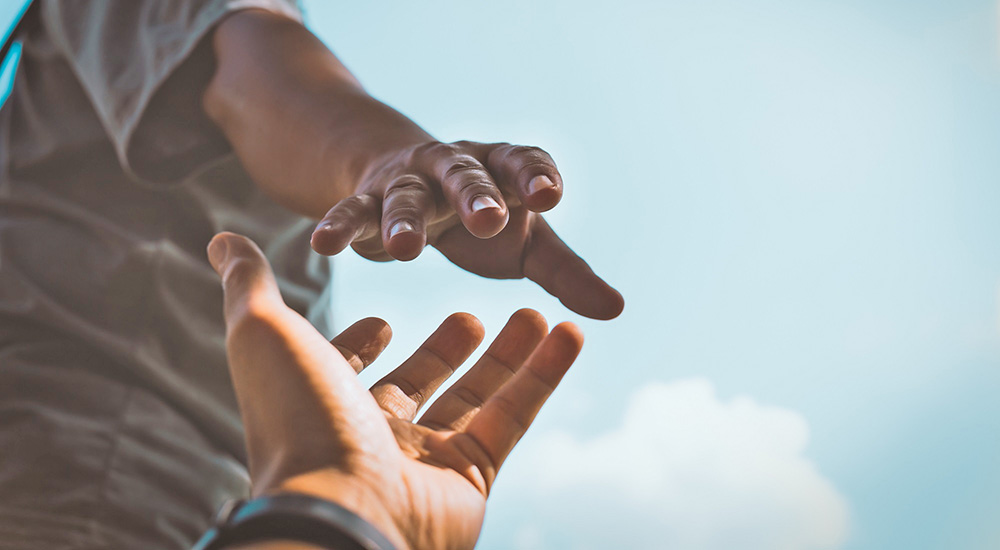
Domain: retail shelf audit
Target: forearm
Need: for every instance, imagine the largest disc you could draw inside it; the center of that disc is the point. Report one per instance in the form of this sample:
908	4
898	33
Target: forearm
301	124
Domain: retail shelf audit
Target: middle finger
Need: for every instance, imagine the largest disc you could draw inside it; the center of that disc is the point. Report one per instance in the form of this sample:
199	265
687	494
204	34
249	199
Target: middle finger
468	187
404	390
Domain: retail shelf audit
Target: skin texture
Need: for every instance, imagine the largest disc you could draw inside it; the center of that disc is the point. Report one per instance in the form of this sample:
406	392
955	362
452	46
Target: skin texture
316	142
311	427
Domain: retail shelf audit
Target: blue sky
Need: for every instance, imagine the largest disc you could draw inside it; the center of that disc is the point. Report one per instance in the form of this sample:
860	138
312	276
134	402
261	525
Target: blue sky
800	201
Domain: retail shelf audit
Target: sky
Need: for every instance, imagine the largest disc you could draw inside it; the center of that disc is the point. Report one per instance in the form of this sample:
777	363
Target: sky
800	202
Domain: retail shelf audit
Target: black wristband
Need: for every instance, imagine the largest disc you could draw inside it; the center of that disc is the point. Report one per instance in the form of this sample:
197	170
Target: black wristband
291	517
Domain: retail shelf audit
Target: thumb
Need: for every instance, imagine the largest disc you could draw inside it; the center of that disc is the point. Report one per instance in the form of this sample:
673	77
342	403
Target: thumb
555	267
300	400
247	279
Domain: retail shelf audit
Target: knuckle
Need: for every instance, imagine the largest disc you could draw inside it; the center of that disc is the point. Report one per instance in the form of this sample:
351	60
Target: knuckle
516	159
404	186
402	211
410	200
354	205
513	413
463	393
528	151
465	144
533	156
464	166
406	182
477	149
437	149
471	188
403	394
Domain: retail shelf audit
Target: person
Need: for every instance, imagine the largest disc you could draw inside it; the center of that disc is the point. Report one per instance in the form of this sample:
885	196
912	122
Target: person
135	131
311	429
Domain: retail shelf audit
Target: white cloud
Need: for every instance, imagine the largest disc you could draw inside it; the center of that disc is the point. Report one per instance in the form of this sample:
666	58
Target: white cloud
684	471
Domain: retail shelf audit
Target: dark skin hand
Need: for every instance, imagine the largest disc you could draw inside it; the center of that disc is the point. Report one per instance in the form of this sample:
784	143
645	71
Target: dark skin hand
317	143
422	480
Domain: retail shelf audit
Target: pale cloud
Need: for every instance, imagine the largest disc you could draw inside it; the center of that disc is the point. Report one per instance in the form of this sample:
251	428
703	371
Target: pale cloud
683	471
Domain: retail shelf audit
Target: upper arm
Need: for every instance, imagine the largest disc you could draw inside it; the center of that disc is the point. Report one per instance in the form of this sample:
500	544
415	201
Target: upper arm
144	65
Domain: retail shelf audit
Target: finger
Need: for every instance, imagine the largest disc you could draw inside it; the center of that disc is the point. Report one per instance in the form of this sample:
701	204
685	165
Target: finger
557	269
507	413
354	218
406	208
468	187
362	342
453	410
284	372
528	172
403	391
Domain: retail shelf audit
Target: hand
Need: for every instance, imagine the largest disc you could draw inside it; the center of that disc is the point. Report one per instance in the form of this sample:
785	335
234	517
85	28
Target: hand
479	205
312	428
318	144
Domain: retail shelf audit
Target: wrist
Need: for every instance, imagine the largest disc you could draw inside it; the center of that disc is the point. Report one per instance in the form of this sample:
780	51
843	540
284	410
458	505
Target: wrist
346	491
291	520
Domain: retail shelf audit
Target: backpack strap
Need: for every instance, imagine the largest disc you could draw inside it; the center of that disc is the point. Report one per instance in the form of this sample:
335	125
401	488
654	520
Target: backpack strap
8	39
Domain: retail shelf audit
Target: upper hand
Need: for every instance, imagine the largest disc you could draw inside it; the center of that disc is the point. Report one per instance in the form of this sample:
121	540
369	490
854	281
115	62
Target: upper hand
479	205
312	428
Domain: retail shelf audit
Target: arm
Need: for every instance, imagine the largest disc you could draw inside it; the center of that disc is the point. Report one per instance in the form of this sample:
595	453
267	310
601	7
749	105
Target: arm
298	119
312	138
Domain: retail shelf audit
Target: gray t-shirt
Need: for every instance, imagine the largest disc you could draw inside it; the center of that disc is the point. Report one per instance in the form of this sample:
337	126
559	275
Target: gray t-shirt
112	182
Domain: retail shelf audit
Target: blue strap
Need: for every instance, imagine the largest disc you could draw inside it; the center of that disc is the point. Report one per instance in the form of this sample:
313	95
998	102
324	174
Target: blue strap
8	39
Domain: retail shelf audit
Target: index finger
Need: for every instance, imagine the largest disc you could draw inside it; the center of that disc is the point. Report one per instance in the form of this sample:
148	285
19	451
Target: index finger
362	342
467	186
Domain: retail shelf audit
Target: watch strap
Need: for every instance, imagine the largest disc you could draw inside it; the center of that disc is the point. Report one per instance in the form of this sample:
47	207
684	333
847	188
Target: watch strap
291	517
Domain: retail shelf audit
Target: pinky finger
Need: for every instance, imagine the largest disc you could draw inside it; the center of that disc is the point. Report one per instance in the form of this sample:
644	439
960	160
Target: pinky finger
508	413
354	218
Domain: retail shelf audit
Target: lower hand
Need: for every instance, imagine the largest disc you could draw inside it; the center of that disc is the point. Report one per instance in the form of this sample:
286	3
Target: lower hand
312	428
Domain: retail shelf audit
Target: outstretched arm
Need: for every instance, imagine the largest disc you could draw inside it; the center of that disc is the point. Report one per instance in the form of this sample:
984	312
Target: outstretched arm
316	142
311	428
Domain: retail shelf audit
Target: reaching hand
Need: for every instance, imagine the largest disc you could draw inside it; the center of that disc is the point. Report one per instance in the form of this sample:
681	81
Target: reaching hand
476	203
312	428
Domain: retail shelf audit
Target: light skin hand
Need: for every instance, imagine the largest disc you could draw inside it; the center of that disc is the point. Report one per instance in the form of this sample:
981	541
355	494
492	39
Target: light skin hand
311	427
316	142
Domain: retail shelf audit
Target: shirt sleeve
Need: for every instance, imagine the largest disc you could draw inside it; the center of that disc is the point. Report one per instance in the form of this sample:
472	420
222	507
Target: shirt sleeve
130	57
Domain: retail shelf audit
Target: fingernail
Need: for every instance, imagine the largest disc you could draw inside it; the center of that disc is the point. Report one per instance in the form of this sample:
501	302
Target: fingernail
324	227
482	202
399	227
218	249
538	183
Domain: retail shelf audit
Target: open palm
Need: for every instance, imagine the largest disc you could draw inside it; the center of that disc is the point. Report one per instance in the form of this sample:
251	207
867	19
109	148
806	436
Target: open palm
312	428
